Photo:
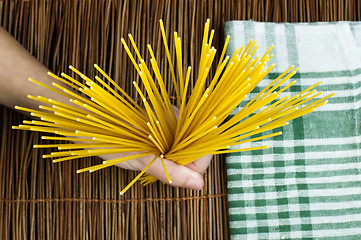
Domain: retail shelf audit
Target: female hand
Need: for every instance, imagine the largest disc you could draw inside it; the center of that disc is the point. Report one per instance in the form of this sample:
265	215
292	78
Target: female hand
188	176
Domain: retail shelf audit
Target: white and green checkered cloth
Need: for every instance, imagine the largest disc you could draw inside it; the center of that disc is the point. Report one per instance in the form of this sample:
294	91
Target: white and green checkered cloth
307	185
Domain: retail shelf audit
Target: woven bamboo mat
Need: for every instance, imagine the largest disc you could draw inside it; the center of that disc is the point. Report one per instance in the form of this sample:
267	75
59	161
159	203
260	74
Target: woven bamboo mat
42	200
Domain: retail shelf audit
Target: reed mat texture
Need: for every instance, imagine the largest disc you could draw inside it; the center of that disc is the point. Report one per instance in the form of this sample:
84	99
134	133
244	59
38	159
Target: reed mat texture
42	200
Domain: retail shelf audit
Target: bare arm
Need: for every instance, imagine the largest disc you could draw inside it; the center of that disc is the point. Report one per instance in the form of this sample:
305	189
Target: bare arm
17	64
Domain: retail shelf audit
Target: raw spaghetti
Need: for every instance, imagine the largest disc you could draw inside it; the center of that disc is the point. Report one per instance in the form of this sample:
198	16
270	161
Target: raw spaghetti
106	120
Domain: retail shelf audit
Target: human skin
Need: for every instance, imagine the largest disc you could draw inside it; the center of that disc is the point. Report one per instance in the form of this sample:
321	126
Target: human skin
17	65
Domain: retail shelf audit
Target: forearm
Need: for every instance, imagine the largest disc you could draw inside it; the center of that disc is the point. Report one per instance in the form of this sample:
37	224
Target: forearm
16	66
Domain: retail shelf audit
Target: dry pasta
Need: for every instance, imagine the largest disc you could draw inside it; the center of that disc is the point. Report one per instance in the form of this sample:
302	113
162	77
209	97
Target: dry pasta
107	120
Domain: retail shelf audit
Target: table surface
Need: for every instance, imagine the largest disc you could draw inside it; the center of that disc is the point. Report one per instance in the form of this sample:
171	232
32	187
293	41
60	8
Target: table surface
41	200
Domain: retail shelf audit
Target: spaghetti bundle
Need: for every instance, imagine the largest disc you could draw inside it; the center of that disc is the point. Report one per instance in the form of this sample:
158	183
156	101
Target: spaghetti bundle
104	119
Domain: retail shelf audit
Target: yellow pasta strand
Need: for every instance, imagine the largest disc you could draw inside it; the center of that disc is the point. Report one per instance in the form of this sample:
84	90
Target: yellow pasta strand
169	60
138	176
103	119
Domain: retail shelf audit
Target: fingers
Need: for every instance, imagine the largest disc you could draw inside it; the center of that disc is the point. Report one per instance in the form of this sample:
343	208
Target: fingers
200	165
189	176
181	176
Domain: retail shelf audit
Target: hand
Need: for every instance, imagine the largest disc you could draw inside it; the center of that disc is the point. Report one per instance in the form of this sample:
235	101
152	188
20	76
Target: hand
188	176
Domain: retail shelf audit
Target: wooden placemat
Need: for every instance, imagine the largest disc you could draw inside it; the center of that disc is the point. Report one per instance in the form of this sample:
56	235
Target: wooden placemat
42	200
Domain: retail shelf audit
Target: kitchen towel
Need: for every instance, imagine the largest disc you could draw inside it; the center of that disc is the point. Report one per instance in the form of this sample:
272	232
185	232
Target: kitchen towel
307	184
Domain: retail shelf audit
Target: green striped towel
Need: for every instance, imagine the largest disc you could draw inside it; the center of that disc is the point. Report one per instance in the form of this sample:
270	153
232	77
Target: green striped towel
307	185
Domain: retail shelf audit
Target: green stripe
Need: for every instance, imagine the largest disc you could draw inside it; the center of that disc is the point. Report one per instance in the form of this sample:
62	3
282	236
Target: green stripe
269	32
330	88
295	214
350	99
275	229
309	162
329	74
277	151
325	88
282	201
349	224
291	175
249	32
270	38
297	186
297	149
345	237
298	123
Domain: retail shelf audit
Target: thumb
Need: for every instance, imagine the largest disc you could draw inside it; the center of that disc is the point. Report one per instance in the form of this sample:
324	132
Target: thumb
181	176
